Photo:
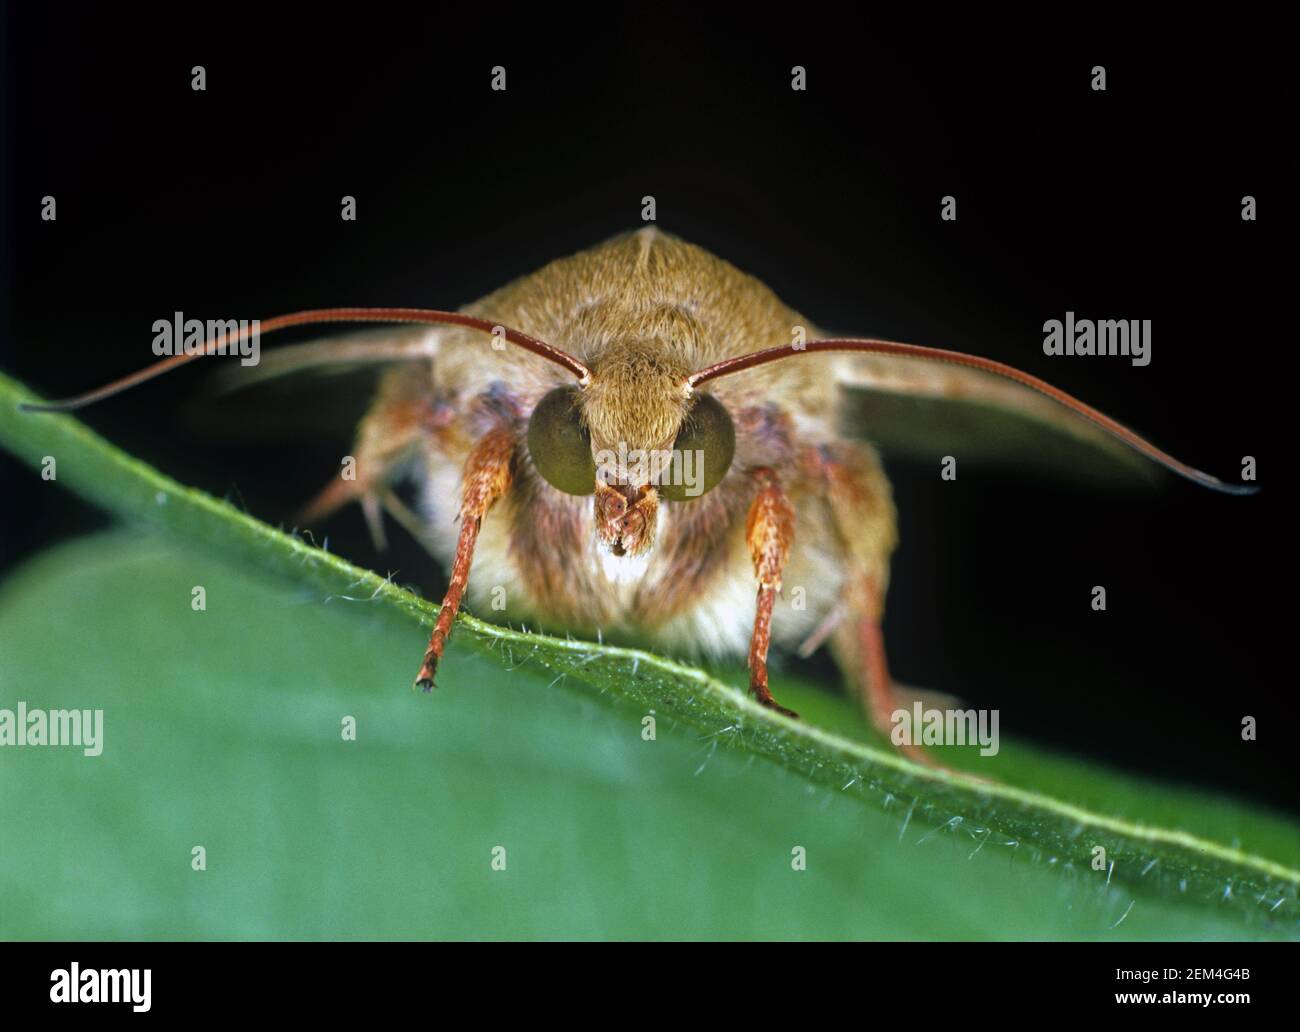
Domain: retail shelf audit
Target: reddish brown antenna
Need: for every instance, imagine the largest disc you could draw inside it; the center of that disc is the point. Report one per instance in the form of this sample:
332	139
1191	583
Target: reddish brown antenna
986	365
314	316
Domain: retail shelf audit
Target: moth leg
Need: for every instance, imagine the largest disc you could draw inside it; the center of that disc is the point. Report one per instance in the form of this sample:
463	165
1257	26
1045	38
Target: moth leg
863	512
487	478
395	424
373	511
769	530
822	631
340	492
867	642
405	518
859	647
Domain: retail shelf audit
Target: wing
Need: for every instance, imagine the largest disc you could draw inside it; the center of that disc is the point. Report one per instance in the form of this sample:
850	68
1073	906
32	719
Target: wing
926	410
957	401
927	402
342	375
346	352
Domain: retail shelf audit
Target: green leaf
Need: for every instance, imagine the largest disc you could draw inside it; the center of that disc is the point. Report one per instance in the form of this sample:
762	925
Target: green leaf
222	729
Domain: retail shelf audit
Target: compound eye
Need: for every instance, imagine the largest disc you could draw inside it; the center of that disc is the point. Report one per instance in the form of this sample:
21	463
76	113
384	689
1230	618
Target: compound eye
702	453
559	444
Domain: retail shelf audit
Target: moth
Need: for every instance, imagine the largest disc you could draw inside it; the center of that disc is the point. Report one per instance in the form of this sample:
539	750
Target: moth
643	442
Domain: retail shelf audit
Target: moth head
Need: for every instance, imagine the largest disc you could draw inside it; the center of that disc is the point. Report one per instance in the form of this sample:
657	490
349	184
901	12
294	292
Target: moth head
630	452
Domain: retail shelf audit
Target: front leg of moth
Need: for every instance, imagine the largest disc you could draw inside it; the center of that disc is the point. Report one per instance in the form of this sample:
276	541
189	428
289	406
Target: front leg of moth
768	531
487	477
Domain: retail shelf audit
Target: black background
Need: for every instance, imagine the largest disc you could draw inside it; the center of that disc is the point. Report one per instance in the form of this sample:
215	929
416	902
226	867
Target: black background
1122	204
228	981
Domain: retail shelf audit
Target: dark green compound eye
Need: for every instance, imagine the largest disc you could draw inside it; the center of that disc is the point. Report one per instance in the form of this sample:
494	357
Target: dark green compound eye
702	453
559	444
